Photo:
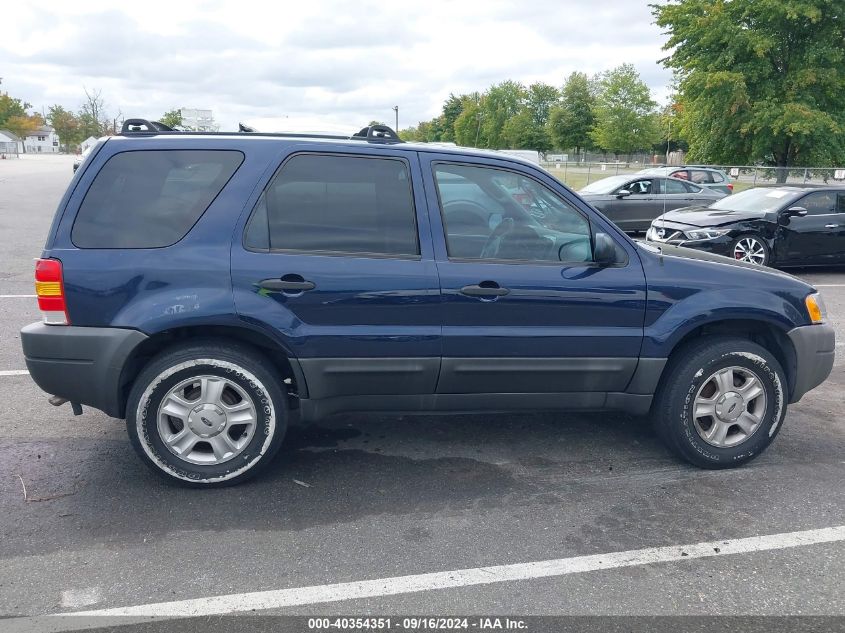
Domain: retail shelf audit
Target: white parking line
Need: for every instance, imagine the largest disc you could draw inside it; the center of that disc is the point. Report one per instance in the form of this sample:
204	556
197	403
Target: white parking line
14	372
319	594
17	296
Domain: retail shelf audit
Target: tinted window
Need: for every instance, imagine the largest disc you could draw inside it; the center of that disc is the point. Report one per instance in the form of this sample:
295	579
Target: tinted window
675	186
682	174
692	188
840	207
338	204
821	203
700	176
501	215
151	198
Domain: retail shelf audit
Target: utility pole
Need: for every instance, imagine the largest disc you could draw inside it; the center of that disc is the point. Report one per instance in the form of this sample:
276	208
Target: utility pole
396	110
668	136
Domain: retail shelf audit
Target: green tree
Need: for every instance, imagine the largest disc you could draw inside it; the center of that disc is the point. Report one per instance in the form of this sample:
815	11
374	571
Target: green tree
759	79
570	122
172	118
66	125
523	132
451	111
500	103
468	125
11	107
540	99
625	112
20	126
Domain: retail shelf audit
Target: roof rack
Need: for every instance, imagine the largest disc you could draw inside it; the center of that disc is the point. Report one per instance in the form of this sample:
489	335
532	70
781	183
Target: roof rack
370	134
135	126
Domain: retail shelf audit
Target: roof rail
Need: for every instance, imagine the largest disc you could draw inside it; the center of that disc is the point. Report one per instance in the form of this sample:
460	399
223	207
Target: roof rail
369	134
378	134
142	126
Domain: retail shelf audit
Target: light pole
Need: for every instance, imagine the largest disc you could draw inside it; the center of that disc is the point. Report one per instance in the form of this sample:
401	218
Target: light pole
396	110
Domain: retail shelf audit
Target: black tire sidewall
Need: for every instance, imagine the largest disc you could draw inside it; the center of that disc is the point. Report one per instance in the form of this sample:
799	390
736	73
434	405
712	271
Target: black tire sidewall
679	427
159	378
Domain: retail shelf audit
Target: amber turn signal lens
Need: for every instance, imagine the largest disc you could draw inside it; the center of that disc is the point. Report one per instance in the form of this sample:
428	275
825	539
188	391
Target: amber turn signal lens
815	308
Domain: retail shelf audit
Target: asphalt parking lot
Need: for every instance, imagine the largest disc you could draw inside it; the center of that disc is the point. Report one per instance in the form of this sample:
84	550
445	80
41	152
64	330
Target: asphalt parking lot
362	498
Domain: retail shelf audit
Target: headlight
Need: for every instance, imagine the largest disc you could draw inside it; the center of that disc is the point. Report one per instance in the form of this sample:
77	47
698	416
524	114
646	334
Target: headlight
707	234
815	308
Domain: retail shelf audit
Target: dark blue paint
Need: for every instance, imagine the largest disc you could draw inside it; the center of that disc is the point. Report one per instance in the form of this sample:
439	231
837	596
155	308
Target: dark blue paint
384	307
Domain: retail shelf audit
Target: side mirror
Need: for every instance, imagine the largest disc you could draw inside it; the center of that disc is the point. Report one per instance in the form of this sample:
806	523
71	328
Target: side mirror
799	212
623	193
604	252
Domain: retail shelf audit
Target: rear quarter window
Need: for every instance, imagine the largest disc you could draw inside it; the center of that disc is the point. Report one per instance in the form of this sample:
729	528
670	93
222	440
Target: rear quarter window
151	198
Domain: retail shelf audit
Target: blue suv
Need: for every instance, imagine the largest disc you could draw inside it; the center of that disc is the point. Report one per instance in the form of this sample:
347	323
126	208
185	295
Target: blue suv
211	288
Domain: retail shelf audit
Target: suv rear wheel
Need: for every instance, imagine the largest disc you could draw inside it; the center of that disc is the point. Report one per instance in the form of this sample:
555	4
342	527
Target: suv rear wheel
207	414
722	402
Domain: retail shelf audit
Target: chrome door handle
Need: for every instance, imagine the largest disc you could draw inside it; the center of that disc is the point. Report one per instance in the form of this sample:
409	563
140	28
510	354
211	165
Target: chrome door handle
830	226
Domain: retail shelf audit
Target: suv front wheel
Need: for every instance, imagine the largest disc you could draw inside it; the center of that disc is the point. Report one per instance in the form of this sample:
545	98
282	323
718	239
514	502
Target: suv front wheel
207	414
722	402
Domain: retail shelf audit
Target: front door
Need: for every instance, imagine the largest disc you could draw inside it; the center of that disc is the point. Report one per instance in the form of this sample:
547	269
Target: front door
331	261
526	310
819	236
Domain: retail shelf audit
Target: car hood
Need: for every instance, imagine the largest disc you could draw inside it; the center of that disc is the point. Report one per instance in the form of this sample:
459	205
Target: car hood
703	216
660	248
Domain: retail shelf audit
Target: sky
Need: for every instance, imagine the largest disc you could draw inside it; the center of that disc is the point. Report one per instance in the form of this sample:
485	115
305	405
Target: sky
319	65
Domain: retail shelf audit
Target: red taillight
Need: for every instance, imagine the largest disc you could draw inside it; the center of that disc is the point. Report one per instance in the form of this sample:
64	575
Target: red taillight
731	186
50	290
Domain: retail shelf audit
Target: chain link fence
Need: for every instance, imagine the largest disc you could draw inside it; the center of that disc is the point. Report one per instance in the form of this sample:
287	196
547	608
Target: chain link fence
580	174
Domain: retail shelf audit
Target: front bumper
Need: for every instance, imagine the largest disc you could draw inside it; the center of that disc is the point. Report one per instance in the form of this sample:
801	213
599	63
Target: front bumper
815	347
81	364
675	236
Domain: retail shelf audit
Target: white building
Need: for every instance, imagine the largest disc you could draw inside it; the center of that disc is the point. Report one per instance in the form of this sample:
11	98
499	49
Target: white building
42	140
89	142
198	120
10	143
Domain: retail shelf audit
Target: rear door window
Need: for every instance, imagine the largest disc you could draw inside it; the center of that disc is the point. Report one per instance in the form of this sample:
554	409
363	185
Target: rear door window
337	204
151	198
700	176
675	187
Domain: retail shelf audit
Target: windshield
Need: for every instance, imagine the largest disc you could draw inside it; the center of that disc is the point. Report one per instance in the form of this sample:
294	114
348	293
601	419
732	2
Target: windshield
605	185
756	200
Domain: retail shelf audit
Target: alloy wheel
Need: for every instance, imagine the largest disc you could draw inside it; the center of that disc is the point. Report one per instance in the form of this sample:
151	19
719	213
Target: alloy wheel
750	249
206	420
729	407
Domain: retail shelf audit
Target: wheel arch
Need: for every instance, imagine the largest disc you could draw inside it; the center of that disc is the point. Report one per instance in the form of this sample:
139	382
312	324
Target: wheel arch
766	334
262	343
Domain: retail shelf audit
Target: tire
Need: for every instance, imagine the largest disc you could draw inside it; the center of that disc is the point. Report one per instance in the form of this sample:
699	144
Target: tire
207	414
751	248
694	407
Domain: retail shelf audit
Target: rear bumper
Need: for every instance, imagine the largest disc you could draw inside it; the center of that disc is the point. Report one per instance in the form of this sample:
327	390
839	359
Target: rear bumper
81	364
814	352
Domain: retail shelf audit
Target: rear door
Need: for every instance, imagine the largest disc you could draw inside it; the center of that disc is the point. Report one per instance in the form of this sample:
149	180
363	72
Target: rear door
331	261
678	194
525	308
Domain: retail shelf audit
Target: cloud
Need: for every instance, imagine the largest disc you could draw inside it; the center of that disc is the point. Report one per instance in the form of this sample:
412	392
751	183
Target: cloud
322	65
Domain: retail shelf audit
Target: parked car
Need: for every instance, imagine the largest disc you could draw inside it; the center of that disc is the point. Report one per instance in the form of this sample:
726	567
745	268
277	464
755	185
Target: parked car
770	226
632	202
78	160
252	280
706	177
